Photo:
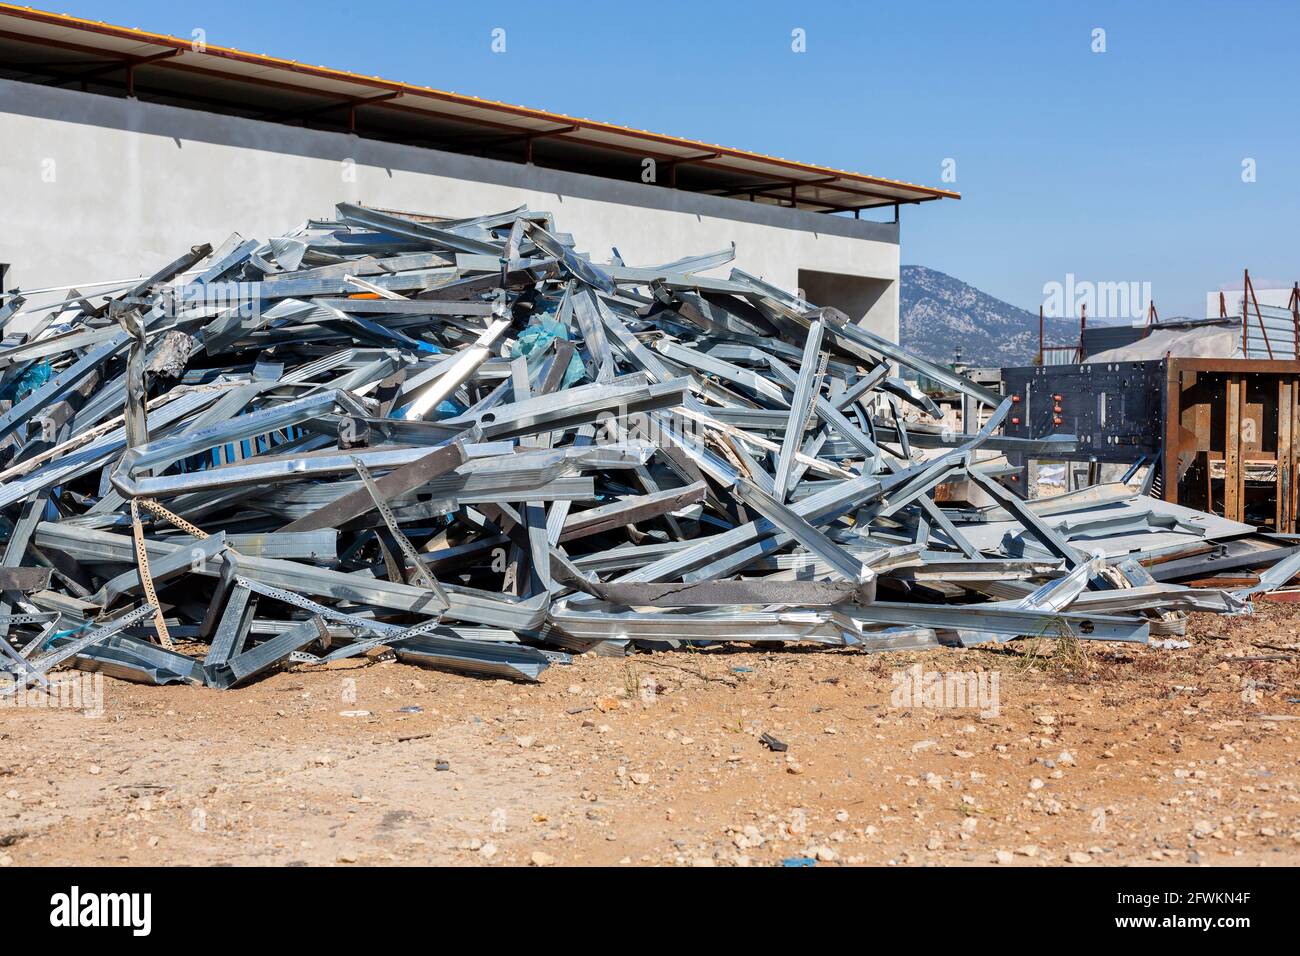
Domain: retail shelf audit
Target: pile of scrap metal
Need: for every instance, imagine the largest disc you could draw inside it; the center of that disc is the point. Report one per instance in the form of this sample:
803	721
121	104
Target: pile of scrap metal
470	445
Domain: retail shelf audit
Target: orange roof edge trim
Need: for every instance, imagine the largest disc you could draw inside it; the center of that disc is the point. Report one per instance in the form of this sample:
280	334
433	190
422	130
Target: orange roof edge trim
128	33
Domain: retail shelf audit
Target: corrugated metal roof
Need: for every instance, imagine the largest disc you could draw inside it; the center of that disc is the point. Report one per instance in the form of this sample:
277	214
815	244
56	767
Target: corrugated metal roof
54	48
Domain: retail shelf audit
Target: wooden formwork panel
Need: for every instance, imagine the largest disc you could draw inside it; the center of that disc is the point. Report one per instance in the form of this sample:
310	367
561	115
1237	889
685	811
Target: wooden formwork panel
1230	438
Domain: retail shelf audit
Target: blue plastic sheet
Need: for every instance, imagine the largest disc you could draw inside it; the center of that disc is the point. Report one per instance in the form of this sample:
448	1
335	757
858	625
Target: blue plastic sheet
28	382
533	342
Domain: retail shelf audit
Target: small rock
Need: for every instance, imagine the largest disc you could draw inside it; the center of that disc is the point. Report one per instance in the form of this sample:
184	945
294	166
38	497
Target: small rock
1077	856
1003	856
541	859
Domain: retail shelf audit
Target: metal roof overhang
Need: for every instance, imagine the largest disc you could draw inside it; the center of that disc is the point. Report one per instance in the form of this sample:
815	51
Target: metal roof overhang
58	50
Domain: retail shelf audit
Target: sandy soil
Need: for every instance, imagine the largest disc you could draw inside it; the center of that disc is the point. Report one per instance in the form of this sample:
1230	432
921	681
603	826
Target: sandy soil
1098	754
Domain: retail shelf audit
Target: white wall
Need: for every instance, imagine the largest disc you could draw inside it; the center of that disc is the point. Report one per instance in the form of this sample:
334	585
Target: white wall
98	188
857	296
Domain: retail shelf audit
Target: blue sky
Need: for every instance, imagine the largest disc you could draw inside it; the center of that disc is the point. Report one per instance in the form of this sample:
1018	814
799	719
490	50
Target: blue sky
1124	165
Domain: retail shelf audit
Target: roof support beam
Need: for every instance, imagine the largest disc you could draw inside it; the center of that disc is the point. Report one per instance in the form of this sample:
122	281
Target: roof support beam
348	102
763	187
527	138
128	63
672	165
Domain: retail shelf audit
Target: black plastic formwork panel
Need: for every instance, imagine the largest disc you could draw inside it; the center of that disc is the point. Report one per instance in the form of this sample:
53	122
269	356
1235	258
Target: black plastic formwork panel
1114	409
1103	338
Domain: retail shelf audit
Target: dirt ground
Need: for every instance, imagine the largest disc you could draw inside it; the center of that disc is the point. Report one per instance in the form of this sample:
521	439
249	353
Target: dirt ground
1097	754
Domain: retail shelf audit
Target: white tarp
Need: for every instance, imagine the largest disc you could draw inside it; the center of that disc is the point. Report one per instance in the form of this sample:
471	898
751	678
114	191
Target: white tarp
1208	341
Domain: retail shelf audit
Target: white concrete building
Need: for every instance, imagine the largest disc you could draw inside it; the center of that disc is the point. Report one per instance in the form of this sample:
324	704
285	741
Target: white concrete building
120	149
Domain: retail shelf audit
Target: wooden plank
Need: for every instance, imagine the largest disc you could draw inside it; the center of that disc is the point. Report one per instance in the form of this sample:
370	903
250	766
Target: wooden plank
1232	504
1285	475
1293	460
1223	581
1202	427
1246	434
1203	460
1172	402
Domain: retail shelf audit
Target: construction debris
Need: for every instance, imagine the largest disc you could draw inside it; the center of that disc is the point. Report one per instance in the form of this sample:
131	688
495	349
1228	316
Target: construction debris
468	443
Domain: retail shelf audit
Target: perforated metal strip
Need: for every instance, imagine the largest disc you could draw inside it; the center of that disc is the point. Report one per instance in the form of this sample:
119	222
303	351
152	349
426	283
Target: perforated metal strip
8	651
818	378
389	633
41	638
154	506
392	631
56	657
146	579
418	569
298	601
44	617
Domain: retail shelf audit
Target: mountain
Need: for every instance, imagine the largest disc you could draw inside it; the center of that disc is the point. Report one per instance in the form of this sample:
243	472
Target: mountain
937	313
